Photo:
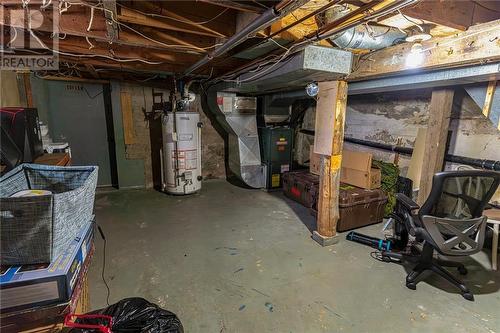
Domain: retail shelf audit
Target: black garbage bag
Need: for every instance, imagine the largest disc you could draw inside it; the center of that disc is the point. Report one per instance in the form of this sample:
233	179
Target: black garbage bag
133	315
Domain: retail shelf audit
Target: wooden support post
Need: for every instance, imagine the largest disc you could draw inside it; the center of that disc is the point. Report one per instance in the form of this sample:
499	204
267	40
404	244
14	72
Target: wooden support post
435	139
27	90
328	141
111	18
490	92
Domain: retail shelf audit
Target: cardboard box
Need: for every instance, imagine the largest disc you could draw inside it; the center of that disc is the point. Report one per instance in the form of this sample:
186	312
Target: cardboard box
50	318
24	287
314	162
357	170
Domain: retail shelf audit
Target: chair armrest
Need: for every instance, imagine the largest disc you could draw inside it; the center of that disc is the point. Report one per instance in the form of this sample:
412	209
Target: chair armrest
406	202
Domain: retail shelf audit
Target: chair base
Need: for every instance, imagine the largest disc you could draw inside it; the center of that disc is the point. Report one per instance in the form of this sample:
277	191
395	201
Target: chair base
425	261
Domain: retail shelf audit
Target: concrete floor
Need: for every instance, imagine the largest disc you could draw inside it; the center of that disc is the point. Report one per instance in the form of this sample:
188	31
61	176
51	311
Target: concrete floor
238	260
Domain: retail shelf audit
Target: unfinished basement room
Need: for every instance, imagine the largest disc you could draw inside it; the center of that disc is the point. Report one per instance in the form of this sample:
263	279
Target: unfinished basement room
221	166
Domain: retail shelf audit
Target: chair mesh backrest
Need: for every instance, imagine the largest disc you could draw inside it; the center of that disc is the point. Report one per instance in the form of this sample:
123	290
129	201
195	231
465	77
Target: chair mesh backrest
452	214
460	195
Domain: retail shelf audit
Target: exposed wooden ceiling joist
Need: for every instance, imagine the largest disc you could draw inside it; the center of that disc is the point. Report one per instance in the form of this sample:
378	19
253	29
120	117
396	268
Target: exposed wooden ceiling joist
456	14
131	16
238	5
75	22
222	20
177	33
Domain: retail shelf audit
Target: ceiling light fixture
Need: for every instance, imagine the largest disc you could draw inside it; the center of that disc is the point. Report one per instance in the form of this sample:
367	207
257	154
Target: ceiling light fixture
416	35
416	55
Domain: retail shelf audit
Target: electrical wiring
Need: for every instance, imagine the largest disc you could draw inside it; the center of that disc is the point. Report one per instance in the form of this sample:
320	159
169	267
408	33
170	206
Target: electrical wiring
91	18
173	18
265	71
45	5
32	33
13	38
140	33
281	46
90	96
411	21
370	14
91	46
263	62
63	7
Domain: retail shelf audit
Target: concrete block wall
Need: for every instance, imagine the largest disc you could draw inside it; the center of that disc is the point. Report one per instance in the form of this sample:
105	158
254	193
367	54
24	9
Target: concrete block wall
389	116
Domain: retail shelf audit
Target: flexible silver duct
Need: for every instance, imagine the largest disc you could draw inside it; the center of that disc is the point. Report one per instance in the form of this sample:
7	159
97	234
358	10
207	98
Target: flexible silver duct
364	36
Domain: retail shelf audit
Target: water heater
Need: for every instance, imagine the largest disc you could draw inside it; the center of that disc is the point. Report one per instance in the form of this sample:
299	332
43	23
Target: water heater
181	133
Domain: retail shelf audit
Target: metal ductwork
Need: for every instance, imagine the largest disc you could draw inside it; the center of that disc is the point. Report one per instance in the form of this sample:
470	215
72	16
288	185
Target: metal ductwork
313	63
237	116
363	36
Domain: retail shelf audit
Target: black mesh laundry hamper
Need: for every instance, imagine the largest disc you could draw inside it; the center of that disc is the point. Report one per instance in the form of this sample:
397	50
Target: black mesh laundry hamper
36	229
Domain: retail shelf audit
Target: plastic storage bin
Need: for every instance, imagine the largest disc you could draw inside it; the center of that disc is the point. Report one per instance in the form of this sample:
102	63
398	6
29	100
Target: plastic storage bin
35	229
302	187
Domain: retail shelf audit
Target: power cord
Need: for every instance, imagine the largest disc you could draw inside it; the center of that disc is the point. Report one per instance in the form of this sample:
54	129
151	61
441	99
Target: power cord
104	264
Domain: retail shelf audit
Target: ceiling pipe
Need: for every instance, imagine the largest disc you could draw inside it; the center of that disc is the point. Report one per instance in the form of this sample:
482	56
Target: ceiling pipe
263	21
475	162
361	15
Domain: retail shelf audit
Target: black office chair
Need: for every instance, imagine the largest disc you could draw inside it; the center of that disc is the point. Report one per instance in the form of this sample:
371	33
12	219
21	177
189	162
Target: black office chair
450	222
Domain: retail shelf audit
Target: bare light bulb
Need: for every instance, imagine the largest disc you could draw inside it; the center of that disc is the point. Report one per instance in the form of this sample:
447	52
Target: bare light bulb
416	55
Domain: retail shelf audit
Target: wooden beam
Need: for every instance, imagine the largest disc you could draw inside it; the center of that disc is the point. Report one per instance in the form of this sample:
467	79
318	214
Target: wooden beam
90	68
72	79
214	17
78	46
477	45
435	139
451	13
331	107
127	117
165	68
235	5
134	17
151	6
490	92
75	22
111	14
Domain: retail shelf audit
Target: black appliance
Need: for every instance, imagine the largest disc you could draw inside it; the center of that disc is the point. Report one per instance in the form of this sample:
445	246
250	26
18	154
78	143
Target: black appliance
10	155
23	127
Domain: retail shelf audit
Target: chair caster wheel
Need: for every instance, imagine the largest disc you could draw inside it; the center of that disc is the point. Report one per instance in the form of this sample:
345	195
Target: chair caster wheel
468	296
386	259
411	285
462	270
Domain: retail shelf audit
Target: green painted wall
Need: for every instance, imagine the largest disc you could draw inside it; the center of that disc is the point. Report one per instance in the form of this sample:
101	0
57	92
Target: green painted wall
130	172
